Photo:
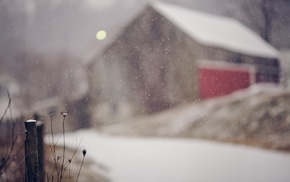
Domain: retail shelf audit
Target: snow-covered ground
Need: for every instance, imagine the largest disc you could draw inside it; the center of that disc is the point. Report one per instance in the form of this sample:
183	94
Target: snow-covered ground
130	159
259	115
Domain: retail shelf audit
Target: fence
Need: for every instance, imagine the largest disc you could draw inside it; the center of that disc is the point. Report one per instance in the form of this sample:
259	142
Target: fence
34	151
29	149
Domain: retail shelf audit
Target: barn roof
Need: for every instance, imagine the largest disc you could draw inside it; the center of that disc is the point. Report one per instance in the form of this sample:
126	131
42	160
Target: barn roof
216	31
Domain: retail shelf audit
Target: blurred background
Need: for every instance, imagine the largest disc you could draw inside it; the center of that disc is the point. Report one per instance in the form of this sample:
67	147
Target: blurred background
49	48
45	45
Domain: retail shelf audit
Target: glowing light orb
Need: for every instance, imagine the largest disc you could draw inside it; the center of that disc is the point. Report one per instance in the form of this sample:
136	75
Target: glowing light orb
101	35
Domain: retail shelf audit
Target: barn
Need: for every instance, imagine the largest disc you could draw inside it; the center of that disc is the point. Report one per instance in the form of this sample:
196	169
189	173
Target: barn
169	55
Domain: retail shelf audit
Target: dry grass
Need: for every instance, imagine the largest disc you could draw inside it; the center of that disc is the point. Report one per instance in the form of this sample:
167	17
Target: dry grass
72	169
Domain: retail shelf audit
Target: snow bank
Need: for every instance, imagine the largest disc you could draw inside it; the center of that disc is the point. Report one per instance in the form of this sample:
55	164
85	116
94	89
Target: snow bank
219	108
258	89
257	116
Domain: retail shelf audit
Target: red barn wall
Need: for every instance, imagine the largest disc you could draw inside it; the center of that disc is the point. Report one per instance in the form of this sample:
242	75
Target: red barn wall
219	81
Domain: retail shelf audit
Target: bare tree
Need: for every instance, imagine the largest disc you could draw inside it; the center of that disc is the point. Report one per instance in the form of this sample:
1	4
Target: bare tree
265	16
268	11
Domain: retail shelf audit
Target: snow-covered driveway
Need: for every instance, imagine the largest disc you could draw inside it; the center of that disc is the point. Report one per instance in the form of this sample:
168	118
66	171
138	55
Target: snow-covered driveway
181	160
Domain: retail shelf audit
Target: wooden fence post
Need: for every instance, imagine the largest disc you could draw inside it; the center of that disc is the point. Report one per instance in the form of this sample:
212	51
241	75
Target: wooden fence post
31	150
40	145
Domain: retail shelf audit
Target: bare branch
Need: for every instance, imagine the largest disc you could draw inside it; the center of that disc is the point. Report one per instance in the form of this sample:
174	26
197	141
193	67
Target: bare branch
7	108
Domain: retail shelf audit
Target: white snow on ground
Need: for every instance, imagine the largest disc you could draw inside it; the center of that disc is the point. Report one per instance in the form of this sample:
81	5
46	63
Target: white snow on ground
200	112
181	160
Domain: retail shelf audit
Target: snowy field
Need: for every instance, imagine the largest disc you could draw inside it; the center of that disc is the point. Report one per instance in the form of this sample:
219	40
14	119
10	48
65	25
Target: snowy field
130	159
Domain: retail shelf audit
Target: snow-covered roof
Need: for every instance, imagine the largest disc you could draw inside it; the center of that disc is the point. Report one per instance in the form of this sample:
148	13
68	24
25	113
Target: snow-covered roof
217	31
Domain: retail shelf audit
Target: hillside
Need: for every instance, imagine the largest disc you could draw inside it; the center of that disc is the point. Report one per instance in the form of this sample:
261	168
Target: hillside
258	116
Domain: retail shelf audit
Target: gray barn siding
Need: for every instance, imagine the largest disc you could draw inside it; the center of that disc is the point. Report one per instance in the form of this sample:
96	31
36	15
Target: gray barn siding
150	67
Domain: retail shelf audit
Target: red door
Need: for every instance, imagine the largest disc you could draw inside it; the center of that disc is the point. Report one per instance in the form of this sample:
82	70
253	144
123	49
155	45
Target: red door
219	81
